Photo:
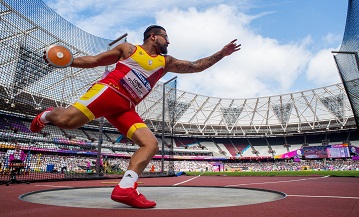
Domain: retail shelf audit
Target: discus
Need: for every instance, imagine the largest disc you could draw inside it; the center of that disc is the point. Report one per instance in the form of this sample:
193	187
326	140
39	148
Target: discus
59	56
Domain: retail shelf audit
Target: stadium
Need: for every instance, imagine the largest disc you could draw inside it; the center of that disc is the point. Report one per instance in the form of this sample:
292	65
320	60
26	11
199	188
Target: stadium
309	130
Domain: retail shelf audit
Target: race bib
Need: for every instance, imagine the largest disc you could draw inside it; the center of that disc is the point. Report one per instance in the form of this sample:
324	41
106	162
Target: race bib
136	84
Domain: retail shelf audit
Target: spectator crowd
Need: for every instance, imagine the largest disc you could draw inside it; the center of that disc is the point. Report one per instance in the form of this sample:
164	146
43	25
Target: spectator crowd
40	162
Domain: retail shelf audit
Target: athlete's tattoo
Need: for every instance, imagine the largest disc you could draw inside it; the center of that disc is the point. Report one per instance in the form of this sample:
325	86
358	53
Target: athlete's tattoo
205	63
198	65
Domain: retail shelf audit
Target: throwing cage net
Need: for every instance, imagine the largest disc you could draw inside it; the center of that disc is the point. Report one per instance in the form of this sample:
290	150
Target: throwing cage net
28	86
347	58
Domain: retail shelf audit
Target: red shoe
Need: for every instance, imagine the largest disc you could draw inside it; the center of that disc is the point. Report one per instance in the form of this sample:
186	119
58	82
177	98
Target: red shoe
131	197
36	124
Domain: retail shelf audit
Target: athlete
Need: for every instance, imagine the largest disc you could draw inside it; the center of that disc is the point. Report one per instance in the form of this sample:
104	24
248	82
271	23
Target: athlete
138	68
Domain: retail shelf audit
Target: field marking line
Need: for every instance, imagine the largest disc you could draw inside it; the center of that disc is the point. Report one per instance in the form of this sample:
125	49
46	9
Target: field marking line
335	197
179	183
276	182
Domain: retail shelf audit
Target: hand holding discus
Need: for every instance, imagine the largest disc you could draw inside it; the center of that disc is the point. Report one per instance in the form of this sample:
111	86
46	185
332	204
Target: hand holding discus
58	56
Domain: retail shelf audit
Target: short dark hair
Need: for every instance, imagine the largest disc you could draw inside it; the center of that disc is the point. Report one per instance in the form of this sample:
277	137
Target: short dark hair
152	29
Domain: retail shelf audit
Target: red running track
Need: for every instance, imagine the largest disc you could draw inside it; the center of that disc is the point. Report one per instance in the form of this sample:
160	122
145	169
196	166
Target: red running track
306	196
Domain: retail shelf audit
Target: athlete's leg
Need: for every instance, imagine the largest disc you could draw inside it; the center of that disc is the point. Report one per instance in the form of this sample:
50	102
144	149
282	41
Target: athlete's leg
148	148
126	192
130	124
67	118
96	102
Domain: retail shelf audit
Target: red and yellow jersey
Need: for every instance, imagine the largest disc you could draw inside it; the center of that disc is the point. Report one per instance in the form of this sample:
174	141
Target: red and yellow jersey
135	76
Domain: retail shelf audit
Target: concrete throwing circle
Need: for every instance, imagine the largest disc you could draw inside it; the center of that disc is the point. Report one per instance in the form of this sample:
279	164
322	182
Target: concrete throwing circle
165	197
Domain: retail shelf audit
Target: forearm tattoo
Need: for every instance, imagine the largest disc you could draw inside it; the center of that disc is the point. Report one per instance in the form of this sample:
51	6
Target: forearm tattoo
198	65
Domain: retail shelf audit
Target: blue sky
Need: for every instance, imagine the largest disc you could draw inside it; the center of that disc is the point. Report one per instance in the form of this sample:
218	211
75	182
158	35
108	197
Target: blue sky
286	44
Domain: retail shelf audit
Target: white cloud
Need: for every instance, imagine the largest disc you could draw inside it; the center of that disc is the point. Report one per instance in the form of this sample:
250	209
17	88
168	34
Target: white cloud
103	18
199	28
322	69
261	67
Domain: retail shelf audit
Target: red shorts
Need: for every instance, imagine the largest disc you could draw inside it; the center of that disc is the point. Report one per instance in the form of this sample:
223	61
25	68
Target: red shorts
100	100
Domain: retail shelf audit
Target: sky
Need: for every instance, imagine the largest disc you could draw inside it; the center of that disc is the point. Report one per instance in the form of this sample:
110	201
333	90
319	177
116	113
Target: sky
285	44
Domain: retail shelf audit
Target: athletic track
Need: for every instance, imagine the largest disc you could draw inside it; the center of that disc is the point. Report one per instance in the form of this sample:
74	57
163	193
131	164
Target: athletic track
306	196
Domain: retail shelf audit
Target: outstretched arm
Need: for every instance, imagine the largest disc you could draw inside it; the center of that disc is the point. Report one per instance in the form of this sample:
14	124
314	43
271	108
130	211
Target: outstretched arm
184	66
103	59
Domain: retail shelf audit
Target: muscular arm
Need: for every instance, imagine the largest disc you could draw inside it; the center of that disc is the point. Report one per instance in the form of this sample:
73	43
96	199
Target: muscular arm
184	66
121	51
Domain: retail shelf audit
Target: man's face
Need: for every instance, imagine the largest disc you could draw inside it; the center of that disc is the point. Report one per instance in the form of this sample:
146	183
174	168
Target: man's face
162	42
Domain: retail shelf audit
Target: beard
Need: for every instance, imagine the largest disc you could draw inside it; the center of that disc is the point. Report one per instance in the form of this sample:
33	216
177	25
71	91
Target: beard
162	48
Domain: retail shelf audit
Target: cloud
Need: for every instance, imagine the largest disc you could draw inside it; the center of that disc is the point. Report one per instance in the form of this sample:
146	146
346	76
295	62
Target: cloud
261	67
322	69
108	18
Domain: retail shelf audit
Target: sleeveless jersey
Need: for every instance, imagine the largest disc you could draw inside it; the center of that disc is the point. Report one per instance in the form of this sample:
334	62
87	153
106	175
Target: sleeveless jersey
135	76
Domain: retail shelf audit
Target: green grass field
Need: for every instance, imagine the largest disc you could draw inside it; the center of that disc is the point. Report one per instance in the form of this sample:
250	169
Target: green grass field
280	173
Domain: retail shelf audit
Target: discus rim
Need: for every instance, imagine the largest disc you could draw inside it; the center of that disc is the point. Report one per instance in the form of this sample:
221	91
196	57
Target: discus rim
64	53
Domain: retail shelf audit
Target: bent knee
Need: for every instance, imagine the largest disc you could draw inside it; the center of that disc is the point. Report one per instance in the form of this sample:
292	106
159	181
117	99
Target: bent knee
151	144
156	148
